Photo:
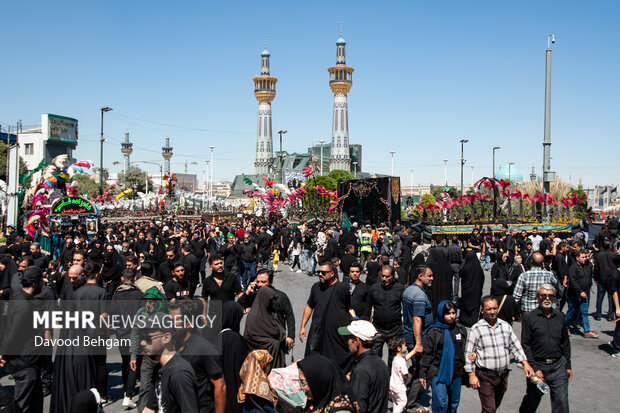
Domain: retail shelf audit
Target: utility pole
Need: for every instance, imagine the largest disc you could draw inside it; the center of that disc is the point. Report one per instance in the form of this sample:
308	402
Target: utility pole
211	174
463	142
493	171
445	172
281	132
322	141
548	176
103	109
392	153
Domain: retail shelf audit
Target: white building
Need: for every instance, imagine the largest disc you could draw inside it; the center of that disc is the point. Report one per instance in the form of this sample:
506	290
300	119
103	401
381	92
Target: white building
57	135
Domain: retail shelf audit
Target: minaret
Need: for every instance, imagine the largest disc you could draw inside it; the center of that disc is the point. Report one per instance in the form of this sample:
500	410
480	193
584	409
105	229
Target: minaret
340	81
166	153
265	91
533	175
126	149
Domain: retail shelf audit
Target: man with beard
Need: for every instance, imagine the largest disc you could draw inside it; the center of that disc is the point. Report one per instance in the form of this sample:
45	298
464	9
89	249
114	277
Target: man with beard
282	304
347	260
18	350
360	293
202	356
385	298
560	269
177	287
530	281
176	388
317	303
166	267
40	260
263	245
527	254
74	370
603	272
579	284
417	318
545	341
220	285
247	253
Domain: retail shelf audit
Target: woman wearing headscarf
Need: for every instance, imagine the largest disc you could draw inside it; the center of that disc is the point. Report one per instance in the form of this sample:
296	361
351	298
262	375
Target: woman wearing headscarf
501	268
255	393
86	401
5	287
443	361
234	351
333	345
263	331
326	387
111	271
95	253
508	308
472	281
438	261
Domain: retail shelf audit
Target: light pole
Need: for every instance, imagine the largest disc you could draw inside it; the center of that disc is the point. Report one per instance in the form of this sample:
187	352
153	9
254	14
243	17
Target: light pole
547	174
392	153
103	109
445	172
211	174
411	176
322	141
355	169
463	142
282	132
472	177
494	149
207	179
509	168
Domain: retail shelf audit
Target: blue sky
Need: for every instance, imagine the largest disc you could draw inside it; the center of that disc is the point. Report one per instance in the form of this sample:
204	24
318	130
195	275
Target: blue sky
427	74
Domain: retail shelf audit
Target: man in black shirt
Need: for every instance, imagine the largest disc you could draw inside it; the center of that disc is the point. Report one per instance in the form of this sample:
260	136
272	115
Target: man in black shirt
386	298
177	287
202	355
176	389
263	244
247	254
360	293
370	377
192	268
220	285
317	304
546	344
166	267
347	259
579	284
283	307
17	347
372	270
40	260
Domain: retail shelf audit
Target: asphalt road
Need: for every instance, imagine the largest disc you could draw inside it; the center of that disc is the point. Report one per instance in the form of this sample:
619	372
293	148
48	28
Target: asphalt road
594	387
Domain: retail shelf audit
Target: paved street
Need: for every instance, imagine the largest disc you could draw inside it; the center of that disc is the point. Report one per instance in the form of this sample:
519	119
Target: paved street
594	387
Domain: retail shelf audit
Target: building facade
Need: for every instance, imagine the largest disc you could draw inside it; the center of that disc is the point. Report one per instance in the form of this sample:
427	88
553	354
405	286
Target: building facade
57	135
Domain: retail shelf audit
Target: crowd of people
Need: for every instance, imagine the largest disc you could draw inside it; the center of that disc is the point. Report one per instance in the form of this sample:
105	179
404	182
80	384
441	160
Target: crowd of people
377	286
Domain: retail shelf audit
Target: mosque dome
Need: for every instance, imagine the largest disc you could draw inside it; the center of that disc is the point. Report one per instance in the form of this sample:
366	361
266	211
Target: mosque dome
509	172
265	53
341	41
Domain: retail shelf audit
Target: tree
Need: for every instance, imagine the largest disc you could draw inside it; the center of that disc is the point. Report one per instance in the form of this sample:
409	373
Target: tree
134	178
338	174
86	186
23	169
438	189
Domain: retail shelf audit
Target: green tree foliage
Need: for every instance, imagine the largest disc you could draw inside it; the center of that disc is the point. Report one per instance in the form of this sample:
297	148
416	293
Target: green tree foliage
135	178
23	169
437	190
315	202
86	186
338	174
426	199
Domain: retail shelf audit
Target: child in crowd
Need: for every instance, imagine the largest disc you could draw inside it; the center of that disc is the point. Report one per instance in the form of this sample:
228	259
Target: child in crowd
400	373
443	361
276	259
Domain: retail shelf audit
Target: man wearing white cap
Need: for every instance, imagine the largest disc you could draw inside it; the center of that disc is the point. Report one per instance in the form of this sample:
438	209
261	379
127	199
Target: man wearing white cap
370	378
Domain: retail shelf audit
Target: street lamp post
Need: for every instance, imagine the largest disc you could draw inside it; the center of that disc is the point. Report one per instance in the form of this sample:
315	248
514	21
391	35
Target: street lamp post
207	179
282	132
322	141
411	177
463	142
103	109
445	172
392	153
355	169
211	174
509	168
494	149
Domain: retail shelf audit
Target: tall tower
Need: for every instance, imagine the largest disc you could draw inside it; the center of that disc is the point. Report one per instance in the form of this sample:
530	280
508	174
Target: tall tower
126	149
166	153
265	91
340	81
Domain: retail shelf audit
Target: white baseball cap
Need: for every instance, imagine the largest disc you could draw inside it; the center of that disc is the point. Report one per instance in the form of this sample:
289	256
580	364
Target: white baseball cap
362	329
